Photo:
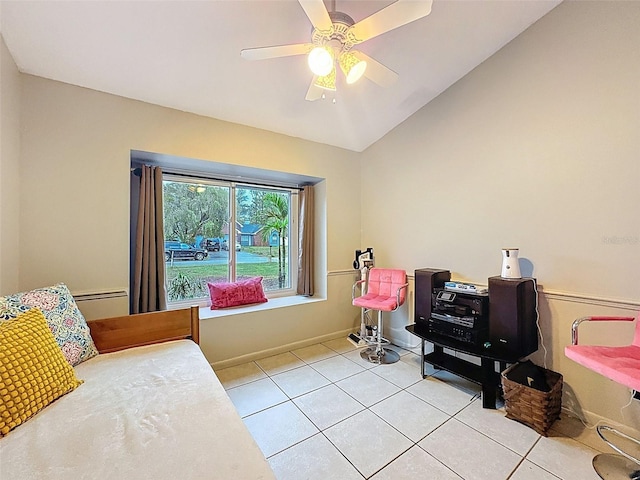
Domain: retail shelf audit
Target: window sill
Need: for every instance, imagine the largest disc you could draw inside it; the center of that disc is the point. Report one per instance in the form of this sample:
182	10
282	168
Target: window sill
279	302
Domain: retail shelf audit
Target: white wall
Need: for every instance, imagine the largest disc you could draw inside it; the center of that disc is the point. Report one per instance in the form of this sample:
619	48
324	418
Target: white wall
537	148
75	201
9	170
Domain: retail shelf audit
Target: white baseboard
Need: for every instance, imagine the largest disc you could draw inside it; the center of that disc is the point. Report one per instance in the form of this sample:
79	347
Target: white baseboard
249	357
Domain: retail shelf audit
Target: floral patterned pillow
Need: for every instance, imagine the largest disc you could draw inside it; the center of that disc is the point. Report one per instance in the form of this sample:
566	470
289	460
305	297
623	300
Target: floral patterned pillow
64	318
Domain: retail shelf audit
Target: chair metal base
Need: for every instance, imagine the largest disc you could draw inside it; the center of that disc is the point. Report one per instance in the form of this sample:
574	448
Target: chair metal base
609	466
617	467
382	356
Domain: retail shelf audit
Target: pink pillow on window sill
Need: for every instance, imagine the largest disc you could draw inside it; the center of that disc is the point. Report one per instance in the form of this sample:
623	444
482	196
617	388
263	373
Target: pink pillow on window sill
242	292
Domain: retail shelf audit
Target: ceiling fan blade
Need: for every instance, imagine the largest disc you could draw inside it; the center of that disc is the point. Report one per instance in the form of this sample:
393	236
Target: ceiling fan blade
314	93
317	13
263	53
378	73
393	16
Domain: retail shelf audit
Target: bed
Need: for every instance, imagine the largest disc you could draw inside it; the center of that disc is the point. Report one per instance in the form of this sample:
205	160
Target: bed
150	407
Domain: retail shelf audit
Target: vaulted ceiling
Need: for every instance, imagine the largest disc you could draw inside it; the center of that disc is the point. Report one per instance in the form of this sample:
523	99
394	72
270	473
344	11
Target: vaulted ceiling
185	55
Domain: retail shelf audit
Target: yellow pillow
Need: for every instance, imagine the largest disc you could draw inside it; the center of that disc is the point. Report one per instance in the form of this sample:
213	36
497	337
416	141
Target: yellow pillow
33	370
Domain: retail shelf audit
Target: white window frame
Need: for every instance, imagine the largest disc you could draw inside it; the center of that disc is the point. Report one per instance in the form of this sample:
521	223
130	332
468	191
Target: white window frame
293	233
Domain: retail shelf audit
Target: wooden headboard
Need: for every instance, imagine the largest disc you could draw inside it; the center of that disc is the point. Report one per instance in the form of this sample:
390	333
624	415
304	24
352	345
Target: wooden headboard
118	333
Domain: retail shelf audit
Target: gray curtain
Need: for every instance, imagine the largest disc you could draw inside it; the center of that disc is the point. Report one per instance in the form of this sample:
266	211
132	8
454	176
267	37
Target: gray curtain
305	241
149	292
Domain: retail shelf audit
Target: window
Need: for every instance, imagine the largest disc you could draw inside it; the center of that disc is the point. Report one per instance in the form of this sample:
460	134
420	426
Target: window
220	231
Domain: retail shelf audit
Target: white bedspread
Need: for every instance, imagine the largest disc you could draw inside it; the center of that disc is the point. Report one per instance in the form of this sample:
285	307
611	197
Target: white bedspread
155	412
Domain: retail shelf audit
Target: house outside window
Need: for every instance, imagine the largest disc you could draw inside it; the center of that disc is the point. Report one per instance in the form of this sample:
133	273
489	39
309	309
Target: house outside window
221	231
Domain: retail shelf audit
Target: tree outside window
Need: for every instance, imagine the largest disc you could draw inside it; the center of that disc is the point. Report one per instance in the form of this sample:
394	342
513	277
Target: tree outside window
276	219
236	241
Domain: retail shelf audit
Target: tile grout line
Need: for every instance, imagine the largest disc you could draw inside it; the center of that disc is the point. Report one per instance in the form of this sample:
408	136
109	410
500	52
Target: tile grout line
413	443
364	408
538	440
343	455
322	431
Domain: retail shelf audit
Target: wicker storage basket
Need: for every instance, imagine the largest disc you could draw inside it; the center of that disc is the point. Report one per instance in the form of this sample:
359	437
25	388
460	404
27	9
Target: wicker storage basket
533	407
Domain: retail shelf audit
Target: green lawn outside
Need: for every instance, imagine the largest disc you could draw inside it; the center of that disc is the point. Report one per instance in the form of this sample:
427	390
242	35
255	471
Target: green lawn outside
263	251
219	273
267	269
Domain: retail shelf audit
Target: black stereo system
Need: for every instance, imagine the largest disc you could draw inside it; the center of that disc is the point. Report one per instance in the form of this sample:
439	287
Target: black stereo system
504	319
463	317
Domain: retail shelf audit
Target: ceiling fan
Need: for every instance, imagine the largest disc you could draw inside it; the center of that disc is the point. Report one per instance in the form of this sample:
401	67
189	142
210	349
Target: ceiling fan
333	37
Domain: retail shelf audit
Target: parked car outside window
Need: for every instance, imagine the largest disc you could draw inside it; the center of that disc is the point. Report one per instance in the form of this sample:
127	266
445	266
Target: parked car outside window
210	244
225	245
183	251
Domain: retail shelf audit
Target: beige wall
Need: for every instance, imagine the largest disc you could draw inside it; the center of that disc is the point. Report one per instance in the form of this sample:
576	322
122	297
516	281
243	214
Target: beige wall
75	201
9	170
537	148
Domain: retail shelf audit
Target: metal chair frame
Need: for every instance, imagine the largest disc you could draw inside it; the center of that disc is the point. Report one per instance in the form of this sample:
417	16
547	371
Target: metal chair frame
376	353
609	466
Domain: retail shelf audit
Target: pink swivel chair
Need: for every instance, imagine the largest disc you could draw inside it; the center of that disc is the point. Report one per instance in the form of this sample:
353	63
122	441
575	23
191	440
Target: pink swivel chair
386	291
622	365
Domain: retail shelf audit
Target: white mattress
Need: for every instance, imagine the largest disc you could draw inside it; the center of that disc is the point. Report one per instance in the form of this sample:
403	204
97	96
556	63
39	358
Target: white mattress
155	412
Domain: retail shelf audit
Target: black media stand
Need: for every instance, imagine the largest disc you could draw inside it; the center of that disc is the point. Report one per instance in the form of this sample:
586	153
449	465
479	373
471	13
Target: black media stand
498	326
484	374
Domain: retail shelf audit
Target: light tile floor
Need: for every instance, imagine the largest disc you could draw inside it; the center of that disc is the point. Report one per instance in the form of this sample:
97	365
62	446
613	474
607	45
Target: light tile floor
321	412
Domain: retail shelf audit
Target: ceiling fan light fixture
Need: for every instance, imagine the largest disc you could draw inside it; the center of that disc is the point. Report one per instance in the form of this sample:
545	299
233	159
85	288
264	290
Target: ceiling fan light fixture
328	82
353	66
320	61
